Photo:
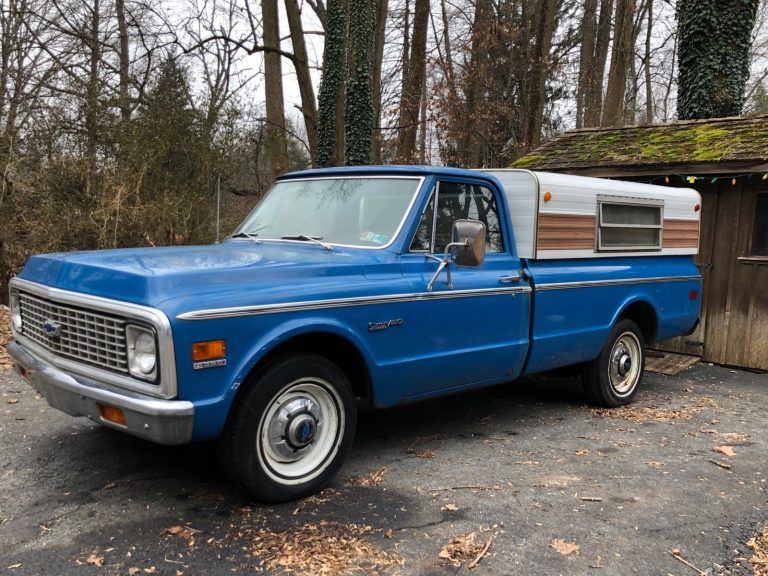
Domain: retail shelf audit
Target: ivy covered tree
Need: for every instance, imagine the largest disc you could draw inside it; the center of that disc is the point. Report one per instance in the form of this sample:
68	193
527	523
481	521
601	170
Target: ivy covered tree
331	86
715	37
358	127
345	102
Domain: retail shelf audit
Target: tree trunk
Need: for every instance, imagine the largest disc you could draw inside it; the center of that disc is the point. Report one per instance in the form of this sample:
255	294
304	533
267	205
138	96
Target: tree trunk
413	84
358	127
714	56
621	59
534	113
593	101
468	150
647	67
378	57
303	77
124	57
330	116
586	59
276	148
92	98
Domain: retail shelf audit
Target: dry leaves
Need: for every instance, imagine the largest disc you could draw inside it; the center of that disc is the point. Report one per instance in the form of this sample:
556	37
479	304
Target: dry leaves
133	571
450	508
182	532
5	338
648	413
724	450
424	453
563	547
464	548
95	560
582	452
320	549
372	479
12	401
759	547
735	437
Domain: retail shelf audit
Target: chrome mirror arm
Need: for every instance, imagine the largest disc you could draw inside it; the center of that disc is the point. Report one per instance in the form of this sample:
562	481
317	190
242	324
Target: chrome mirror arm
445	263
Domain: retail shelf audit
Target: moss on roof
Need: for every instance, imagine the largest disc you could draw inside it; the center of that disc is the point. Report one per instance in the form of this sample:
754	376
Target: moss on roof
693	142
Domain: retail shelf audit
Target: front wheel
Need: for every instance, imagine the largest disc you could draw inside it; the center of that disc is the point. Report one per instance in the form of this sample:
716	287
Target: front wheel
612	378
291	430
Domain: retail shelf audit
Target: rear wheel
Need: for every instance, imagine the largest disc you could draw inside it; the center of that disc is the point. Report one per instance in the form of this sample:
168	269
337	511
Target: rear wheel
290	432
612	378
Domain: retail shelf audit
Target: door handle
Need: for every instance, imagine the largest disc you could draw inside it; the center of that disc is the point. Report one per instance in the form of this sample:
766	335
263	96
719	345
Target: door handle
510	278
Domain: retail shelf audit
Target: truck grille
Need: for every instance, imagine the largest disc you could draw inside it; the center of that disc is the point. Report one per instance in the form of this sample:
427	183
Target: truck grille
74	333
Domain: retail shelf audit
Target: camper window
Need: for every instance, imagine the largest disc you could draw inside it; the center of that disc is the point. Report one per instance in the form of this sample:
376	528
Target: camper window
629	224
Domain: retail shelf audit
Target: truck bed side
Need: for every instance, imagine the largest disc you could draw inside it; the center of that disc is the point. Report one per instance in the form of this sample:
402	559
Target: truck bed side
576	302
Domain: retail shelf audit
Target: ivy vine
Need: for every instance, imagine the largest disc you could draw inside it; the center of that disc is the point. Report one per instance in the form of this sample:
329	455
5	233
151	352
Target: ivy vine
715	37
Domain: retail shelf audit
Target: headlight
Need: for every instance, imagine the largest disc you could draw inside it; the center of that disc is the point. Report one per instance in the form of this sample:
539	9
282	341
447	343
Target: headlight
142	352
15	311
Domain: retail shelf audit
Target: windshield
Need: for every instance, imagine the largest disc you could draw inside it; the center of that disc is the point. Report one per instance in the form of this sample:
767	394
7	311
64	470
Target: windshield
352	211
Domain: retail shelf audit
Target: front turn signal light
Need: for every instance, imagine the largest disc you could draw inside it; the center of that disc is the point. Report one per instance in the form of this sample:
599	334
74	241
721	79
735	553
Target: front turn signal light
112	414
210	350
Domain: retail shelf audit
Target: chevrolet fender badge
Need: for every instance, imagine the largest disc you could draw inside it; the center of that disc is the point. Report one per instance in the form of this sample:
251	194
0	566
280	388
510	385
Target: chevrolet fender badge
375	326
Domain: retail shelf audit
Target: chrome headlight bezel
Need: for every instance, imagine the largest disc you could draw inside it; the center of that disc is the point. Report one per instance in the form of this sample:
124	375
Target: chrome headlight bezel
142	349
15	306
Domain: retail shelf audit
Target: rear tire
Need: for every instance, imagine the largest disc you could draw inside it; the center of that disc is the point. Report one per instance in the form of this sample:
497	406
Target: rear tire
290	430
613	377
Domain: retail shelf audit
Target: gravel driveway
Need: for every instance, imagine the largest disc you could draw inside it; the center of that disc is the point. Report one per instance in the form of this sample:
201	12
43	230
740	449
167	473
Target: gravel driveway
555	486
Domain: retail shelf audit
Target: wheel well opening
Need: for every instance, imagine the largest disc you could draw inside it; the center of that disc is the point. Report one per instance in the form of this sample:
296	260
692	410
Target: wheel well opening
337	349
644	315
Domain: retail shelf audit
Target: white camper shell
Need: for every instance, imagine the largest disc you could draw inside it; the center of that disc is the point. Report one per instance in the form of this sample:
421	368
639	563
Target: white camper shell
562	216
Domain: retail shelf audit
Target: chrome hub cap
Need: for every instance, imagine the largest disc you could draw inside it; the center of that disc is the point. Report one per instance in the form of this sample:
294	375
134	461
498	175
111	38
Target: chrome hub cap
625	363
301	430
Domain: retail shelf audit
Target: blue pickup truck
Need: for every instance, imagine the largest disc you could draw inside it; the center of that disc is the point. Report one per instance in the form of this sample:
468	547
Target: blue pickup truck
370	285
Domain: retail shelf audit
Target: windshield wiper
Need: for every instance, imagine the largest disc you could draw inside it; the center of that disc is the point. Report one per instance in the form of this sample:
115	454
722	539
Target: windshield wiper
305	238
247	235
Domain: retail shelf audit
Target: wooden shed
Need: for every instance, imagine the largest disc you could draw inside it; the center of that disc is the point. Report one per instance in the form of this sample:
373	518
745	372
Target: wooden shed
726	160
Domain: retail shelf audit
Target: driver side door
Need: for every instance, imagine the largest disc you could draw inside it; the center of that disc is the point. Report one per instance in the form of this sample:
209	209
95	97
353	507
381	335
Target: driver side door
476	332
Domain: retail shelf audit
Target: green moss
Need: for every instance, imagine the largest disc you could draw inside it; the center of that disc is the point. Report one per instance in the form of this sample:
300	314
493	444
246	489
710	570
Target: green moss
665	144
527	161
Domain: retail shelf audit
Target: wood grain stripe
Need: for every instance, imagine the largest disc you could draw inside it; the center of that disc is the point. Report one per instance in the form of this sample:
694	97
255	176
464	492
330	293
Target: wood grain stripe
680	233
565	232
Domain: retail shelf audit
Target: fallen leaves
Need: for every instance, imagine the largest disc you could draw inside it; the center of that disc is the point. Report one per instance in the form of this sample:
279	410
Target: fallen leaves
563	547
12	401
464	548
423	453
372	479
582	452
450	507
5	338
724	450
184	532
646	413
95	560
759	546
735	437
323	548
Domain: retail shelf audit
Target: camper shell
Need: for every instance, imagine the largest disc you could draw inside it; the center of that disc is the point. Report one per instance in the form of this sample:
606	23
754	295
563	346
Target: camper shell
557	216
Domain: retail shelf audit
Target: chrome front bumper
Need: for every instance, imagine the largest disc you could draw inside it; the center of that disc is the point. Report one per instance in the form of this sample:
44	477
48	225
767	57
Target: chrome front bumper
162	421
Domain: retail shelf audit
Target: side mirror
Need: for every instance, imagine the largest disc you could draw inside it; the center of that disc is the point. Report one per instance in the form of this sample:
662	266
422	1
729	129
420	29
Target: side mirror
468	243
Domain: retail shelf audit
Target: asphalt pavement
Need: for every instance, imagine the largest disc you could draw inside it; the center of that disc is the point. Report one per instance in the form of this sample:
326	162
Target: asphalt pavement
676	484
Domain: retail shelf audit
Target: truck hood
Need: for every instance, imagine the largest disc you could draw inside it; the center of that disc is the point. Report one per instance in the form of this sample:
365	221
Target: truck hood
150	276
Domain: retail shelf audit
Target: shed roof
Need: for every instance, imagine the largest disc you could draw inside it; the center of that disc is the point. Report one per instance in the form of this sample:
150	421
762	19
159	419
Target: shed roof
716	146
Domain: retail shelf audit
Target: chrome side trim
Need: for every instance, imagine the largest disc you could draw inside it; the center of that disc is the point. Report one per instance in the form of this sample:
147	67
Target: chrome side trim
167	387
617	282
344	302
